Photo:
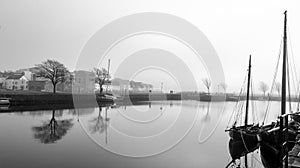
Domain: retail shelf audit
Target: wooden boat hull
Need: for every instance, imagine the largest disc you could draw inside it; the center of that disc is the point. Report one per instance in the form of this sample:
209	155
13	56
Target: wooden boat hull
238	133
243	140
239	148
270	146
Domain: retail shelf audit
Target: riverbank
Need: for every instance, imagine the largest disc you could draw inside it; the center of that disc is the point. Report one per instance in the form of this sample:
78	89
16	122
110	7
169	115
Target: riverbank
46	98
67	100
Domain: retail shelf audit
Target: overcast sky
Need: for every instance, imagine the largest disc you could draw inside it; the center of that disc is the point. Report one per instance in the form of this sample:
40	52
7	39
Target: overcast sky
33	30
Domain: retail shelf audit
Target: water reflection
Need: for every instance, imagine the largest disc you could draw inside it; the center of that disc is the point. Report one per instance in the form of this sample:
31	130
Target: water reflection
100	124
247	161
207	118
52	131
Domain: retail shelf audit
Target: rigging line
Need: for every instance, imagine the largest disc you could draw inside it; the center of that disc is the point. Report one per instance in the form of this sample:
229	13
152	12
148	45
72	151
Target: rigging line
241	111
292	55
234	110
296	77
243	95
298	98
239	116
293	78
293	74
298	95
244	143
255	106
237	106
254	112
252	105
289	85
274	79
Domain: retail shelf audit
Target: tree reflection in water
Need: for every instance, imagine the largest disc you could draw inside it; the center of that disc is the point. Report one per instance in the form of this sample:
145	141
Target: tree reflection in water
207	117
52	131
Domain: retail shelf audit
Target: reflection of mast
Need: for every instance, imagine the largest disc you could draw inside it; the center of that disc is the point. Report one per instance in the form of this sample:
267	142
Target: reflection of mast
246	161
106	125
77	114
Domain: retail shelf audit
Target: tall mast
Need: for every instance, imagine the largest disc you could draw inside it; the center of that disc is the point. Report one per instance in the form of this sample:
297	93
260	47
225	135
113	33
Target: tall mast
108	66
248	91
283	89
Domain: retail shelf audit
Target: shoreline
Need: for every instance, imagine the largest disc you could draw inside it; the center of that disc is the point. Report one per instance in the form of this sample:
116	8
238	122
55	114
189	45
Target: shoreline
44	100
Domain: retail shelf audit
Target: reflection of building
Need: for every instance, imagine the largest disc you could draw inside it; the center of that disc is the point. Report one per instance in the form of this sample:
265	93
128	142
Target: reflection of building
16	82
84	82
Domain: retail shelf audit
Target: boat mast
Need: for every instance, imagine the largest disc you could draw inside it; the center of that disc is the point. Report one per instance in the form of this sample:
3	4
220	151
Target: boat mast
248	91
108	66
283	89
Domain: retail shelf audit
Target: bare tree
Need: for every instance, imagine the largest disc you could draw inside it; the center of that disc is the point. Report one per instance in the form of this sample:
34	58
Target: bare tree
102	76
278	87
53	70
223	86
263	87
207	84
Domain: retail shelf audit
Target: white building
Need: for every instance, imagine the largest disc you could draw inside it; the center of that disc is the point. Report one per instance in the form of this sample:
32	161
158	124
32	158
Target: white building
16	82
28	75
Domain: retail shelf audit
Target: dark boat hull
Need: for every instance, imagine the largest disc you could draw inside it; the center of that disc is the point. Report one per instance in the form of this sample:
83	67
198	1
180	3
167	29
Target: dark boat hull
270	146
242	132
239	148
243	140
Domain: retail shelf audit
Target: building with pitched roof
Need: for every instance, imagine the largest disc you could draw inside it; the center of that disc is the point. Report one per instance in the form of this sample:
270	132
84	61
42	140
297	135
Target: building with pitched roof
16	81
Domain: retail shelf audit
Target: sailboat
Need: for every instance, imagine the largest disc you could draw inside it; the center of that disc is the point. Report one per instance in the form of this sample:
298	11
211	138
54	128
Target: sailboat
271	144
243	139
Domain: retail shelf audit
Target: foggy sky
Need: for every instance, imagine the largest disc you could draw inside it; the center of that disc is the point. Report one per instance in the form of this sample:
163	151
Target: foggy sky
33	30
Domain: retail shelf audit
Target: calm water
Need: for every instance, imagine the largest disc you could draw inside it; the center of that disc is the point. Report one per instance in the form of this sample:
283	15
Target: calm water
157	134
